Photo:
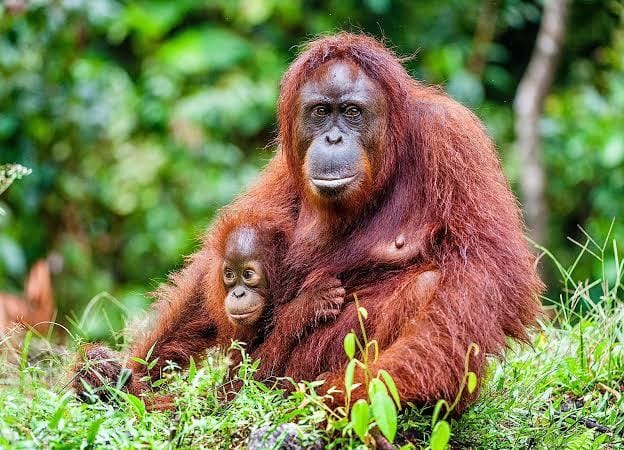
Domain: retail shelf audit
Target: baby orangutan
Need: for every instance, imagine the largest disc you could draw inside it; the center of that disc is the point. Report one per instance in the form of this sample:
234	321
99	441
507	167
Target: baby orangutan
250	279
244	279
236	291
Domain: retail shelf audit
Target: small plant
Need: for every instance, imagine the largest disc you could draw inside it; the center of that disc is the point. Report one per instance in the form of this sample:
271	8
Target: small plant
8	174
441	429
379	410
11	172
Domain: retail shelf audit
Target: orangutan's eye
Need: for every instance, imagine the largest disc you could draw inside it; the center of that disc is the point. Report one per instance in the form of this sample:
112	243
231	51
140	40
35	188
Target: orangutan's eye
352	112
228	274
248	274
320	111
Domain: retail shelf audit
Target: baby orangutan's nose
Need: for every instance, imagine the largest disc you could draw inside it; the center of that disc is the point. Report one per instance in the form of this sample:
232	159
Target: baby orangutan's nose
239	292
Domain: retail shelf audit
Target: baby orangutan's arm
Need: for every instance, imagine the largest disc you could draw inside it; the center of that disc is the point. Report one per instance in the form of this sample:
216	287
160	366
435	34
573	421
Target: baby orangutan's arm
317	302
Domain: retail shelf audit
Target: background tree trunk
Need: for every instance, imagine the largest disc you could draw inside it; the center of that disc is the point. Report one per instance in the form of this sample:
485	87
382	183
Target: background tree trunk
528	106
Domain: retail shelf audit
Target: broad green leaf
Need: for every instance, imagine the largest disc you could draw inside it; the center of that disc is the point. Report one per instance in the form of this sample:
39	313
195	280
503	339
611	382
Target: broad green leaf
385	414
349	345
472	382
394	392
440	436
360	418
136	403
376	386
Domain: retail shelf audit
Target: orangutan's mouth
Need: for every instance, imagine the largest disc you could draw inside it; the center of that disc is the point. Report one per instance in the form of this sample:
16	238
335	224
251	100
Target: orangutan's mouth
332	183
246	315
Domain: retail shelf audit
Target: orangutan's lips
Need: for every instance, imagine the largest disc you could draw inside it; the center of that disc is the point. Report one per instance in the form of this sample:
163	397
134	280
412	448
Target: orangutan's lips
332	183
245	315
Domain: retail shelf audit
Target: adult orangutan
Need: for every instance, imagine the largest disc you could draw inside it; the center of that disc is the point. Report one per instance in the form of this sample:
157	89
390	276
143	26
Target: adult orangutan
396	190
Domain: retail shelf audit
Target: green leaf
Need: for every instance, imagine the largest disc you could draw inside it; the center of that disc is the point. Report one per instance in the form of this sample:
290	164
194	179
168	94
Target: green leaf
139	360
58	414
192	371
159	383
376	386
360	418
150	351
136	403
440	436
93	430
472	382
394	392
124	377
349	345
349	375
436	411
152	364
385	414
362	311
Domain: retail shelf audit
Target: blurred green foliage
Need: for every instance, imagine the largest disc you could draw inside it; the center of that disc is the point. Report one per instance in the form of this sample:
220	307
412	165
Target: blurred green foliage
141	118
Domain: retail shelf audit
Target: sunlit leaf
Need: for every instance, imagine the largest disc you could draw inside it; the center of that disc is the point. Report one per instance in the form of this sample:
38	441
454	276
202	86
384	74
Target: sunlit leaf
136	403
385	414
390	384
376	386
350	374
349	345
192	371
440	436
472	382
360	417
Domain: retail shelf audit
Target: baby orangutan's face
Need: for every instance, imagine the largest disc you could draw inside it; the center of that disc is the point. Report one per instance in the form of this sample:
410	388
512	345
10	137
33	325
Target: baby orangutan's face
244	278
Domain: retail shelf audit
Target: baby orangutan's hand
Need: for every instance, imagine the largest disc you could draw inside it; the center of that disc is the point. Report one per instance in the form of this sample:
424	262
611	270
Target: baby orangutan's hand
328	299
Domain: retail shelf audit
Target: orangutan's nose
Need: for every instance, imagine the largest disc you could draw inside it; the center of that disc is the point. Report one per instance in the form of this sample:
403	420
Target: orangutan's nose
333	137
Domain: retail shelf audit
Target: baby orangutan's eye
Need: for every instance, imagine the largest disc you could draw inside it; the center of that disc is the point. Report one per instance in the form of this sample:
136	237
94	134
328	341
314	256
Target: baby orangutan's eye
228	274
248	274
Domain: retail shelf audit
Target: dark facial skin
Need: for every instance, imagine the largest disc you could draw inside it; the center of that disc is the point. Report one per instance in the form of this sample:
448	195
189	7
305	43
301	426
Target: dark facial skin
244	278
340	122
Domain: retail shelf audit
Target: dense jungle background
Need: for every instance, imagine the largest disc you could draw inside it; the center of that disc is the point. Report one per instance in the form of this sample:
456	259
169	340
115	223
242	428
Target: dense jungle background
139	119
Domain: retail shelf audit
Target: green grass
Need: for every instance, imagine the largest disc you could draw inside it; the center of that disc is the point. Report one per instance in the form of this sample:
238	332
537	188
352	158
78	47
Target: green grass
564	392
